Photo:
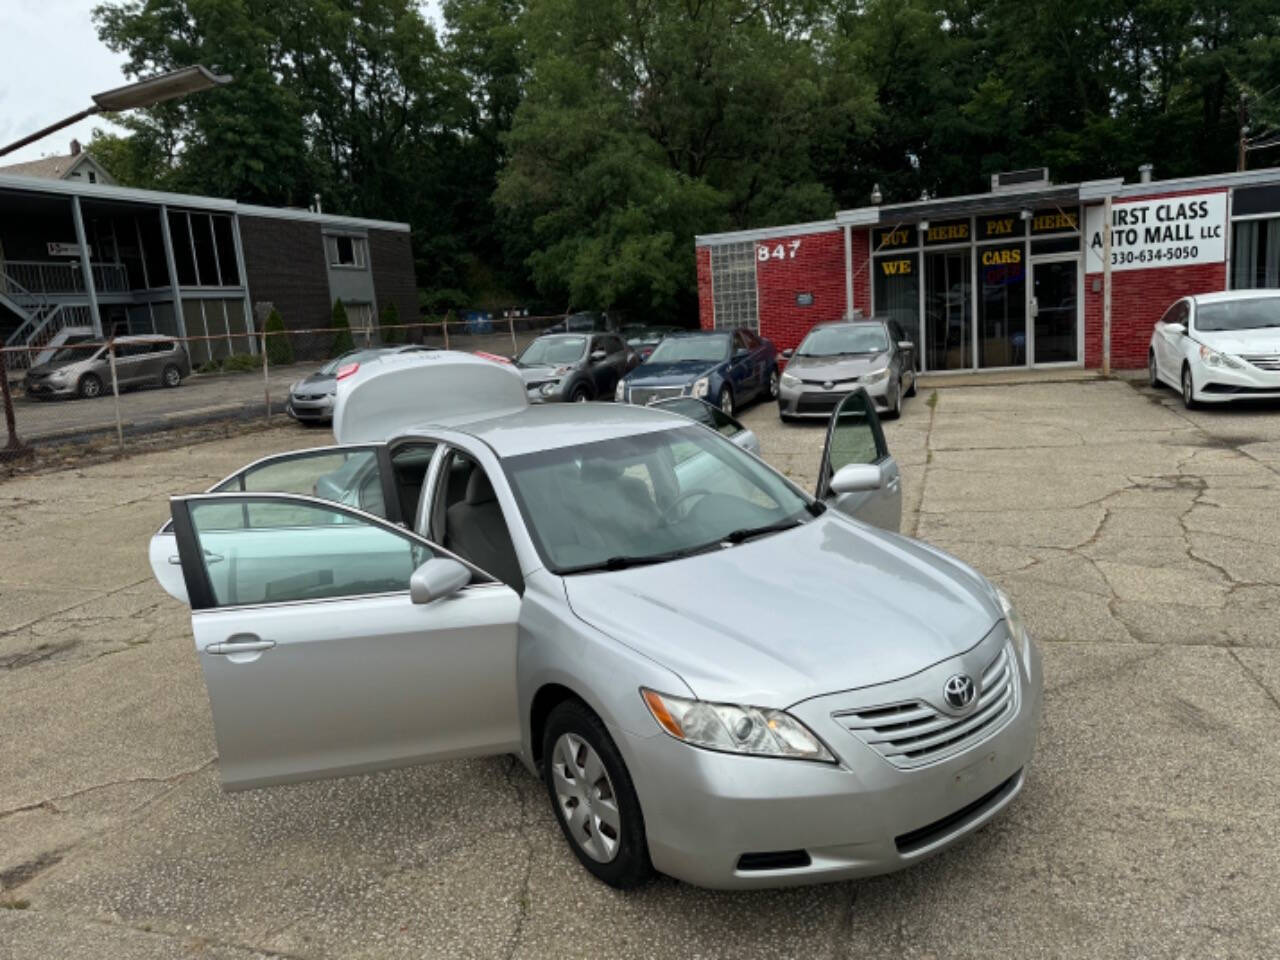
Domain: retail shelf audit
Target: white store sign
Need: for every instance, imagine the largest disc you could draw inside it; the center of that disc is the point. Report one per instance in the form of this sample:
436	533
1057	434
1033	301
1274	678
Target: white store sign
1170	232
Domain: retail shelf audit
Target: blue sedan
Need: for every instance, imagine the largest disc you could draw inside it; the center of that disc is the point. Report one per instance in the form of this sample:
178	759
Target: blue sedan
724	367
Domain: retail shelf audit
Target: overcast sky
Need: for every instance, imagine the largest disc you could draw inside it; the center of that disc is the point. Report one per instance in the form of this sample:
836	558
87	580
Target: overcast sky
52	63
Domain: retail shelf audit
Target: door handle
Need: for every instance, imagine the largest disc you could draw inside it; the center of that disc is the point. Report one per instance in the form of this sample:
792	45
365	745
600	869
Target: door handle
240	643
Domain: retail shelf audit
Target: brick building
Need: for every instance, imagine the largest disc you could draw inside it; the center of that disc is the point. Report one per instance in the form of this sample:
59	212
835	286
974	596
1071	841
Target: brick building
85	258
1006	279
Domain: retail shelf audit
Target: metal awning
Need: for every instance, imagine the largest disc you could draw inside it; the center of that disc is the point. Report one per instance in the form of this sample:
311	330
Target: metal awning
908	213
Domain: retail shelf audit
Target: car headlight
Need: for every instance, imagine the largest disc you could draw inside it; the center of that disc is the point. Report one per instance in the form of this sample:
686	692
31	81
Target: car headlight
293	387
875	376
728	727
790	380
1215	359
550	387
58	375
1017	629
620	392
701	387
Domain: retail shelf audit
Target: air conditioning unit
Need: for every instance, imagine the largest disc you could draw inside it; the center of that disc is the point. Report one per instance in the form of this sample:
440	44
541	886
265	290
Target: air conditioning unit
1019	179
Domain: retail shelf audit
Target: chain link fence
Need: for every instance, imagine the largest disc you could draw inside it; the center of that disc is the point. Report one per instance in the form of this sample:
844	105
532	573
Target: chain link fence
115	391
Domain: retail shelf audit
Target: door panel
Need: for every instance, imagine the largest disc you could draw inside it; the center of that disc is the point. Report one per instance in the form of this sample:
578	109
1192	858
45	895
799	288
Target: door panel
854	435
316	661
1055	312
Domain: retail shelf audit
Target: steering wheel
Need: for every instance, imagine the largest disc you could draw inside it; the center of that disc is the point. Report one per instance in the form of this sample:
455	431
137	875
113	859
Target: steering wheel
669	513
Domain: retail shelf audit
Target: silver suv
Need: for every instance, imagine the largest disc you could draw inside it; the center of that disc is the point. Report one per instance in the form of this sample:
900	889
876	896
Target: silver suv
84	369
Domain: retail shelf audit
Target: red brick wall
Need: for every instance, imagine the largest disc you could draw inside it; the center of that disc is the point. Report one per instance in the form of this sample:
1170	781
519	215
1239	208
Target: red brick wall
1138	299
706	306
861	243
813	264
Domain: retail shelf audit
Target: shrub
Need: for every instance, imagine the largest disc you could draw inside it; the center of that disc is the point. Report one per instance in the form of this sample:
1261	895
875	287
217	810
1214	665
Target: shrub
279	349
342	342
241	363
388	320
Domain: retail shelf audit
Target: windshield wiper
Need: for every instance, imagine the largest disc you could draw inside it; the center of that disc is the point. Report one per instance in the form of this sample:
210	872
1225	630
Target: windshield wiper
740	536
622	562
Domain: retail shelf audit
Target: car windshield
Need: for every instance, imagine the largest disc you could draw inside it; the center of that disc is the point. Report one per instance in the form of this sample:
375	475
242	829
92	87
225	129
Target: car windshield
1251	314
354	356
552	351
844	339
675	349
73	354
647	498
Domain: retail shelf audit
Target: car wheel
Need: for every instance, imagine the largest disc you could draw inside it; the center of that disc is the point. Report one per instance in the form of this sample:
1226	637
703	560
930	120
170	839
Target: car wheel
1152	370
912	391
593	797
1188	388
580	394
895	411
90	386
725	400
773	384
171	376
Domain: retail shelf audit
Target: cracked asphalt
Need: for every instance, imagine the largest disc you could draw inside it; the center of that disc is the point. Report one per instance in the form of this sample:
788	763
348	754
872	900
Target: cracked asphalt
1141	542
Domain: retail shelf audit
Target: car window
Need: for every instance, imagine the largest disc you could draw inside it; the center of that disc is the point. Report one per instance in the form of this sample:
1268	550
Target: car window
271	551
163	347
132	349
349	476
553	351
676	349
844	339
1253	313
853	436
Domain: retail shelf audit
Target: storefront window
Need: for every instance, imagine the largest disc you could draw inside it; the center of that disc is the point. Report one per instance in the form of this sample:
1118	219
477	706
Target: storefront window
897	291
1255	253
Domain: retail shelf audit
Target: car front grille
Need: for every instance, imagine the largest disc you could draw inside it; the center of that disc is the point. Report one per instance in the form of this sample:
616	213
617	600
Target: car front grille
912	734
818	402
309	396
643	395
1263	361
846	383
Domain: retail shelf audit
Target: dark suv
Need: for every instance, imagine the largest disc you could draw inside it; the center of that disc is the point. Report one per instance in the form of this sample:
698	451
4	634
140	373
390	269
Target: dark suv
574	366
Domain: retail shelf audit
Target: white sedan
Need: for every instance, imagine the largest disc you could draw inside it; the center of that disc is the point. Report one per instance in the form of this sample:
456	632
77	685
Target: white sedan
1215	347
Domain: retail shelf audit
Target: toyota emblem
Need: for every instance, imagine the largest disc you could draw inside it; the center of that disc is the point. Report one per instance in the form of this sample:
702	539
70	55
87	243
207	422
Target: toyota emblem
827	385
959	691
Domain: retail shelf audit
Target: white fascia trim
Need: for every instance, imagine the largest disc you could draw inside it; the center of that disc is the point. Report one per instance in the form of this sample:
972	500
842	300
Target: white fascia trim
765	233
859	216
1099	189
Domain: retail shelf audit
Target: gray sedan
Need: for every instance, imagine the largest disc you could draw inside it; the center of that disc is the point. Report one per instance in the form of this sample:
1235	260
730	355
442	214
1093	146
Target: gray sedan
715	674
834	358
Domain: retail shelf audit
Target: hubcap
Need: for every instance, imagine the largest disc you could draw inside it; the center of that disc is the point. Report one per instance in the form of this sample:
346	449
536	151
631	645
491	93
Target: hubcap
585	797
773	385
726	402
1186	385
580	397
91	388
171	377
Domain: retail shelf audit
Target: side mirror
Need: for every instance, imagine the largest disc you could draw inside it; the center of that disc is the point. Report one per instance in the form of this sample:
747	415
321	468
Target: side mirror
857	478
905	344
439	577
740	352
1177	329
597	356
788	353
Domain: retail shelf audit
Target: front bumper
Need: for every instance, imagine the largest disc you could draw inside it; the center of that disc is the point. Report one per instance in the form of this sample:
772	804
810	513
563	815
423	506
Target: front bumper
1220	384
815	400
863	816
309	409
50	388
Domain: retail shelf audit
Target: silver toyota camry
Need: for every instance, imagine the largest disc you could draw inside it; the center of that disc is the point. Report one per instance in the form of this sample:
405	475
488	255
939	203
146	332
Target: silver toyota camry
717	674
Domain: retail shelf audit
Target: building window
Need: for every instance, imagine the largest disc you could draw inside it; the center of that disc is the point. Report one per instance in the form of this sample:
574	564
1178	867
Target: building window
346	251
897	291
93	177
733	285
1255	253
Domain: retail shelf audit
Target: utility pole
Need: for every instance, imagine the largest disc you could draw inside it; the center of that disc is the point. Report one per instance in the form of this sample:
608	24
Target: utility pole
1243	130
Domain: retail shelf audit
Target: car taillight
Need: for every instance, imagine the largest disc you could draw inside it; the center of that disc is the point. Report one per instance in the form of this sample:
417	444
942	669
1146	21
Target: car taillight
348	370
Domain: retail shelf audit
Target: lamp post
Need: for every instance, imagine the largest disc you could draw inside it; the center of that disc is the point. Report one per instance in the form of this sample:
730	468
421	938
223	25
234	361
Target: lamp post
143	93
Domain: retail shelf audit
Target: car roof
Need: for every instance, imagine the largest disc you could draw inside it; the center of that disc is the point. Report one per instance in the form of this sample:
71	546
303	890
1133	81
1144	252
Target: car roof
549	426
699	333
1228	295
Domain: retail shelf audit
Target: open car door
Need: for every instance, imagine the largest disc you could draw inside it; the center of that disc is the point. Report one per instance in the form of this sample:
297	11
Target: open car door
334	642
857	475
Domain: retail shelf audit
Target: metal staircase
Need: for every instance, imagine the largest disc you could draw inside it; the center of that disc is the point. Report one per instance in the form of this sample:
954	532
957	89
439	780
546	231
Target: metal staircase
44	324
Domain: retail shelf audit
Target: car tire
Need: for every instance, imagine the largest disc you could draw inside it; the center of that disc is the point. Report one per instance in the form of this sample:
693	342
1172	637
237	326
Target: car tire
725	400
170	376
575	741
1188	388
1153	371
912	391
580	394
773	384
895	411
90	386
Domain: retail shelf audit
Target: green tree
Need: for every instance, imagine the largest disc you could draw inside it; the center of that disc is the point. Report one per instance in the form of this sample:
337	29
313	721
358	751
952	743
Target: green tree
388	321
279	348
342	342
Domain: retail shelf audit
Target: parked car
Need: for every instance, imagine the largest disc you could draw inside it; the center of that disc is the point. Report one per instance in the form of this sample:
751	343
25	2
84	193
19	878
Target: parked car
644	340
835	358
585	321
726	367
714	418
574	366
1216	347
311	398
714	673
84	369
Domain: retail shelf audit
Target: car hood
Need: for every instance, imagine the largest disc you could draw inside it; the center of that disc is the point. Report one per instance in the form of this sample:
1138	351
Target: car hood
318	383
830	606
1265	340
836	368
681	371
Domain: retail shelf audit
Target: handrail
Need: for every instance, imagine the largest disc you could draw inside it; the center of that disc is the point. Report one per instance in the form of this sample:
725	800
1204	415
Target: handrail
38	277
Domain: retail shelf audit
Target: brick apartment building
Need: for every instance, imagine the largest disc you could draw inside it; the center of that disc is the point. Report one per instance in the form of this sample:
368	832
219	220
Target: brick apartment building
80	257
1007	279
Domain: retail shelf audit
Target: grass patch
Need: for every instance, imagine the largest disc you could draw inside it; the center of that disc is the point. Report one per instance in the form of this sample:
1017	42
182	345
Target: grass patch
14	903
932	401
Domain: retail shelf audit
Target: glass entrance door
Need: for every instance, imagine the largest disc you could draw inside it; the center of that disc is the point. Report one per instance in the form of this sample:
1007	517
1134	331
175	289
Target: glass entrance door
1055	311
1002	309
948	311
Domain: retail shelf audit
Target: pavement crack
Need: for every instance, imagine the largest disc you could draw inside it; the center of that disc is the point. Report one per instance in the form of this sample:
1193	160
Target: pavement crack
51	803
1253	675
15	877
524	900
928	462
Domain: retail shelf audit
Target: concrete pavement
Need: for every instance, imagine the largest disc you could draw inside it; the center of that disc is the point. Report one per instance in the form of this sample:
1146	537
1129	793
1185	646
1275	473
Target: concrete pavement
1139	541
